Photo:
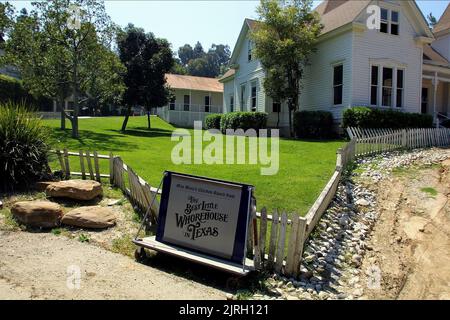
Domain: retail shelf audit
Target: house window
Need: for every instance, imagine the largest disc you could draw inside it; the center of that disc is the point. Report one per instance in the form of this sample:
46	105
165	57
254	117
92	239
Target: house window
400	84
386	98
172	104
338	79
207	103
276	106
374	86
253	96
389	21
250	49
242	98
187	102
231	103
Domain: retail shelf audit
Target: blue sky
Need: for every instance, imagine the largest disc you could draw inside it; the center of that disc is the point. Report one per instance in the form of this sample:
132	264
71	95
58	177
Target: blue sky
209	22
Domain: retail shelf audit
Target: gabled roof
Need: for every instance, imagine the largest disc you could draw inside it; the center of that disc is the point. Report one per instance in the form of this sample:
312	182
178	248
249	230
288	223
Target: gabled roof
227	75
432	55
337	13
178	81
444	22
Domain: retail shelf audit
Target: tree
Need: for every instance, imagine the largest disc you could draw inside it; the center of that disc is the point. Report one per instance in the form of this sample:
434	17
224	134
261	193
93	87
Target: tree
283	42
61	56
198	51
147	60
432	21
6	20
185	53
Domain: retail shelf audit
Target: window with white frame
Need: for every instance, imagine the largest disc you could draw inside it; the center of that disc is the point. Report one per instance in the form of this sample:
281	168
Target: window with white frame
254	96
187	102
387	86
231	103
389	22
242	97
207	103
338	84
172	103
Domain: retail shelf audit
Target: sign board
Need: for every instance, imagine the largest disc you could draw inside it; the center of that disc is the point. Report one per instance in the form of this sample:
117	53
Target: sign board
206	215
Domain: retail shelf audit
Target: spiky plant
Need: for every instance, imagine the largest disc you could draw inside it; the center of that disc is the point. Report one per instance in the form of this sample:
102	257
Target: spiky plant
23	147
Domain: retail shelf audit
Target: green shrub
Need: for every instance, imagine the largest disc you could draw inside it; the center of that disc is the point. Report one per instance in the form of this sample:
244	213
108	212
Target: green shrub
23	150
243	120
213	121
365	117
313	124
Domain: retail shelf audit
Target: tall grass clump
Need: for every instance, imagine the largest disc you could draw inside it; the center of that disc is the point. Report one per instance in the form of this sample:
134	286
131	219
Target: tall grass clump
23	147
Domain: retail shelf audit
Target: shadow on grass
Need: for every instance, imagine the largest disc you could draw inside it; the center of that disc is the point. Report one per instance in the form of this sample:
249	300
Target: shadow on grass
90	140
144	132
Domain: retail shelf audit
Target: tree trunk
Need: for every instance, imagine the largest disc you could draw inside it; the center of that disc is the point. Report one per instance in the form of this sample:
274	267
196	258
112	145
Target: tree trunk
125	121
291	129
148	120
76	107
278	120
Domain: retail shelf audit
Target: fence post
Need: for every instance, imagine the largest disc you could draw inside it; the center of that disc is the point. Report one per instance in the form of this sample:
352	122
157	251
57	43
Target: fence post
66	163
339	164
111	168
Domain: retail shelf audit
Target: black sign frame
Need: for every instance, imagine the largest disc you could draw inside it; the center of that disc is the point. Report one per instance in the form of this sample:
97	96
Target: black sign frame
244	215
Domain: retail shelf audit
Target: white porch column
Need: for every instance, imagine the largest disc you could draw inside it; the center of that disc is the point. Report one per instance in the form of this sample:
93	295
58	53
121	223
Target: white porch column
435	83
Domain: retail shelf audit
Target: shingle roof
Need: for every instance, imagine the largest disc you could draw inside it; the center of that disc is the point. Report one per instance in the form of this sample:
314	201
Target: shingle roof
177	81
430	54
444	21
228	74
337	13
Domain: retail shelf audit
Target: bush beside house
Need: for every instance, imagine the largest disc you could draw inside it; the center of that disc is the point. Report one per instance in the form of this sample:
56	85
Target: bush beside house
365	117
213	121
23	147
313	124
243	120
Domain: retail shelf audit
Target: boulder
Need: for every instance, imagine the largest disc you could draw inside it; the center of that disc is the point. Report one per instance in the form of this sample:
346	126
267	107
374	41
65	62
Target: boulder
75	189
94	217
38	213
42	185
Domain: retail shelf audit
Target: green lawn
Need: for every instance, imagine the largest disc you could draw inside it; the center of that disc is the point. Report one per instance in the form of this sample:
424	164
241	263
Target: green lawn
304	166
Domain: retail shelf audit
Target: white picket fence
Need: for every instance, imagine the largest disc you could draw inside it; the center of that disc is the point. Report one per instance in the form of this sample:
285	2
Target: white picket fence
372	141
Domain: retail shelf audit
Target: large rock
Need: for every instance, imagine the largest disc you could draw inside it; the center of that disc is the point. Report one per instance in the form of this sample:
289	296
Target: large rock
43	214
90	217
75	189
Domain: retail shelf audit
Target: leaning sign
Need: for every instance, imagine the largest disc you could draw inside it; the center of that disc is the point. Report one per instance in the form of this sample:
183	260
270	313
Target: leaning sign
206	216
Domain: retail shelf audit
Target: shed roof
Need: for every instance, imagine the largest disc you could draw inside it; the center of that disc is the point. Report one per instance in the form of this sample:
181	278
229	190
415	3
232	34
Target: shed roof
178	81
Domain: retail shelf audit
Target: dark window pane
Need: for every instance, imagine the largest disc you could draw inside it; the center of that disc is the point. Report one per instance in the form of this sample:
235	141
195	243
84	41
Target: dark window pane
374	75
231	103
276	107
207	101
338	95
387	77
400	79
387	97
338	75
186	99
384	14
394	16
384	27
399	98
394	29
373	96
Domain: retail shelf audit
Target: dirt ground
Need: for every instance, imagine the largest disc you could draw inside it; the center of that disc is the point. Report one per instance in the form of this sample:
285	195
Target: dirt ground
44	266
411	240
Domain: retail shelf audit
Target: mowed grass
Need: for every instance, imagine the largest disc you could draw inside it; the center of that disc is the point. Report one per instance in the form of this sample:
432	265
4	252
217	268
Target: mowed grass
304	166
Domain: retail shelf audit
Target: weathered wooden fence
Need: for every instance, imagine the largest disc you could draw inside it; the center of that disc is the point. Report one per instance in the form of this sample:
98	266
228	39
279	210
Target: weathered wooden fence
119	174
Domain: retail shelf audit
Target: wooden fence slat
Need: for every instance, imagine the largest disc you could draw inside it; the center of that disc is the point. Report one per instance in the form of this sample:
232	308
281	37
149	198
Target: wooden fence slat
89	163
83	172
291	246
66	164
281	242
97	167
301	239
262	233
61	162
111	168
257	259
273	240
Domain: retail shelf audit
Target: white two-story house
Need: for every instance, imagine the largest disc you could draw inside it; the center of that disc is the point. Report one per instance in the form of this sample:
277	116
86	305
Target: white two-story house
392	66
